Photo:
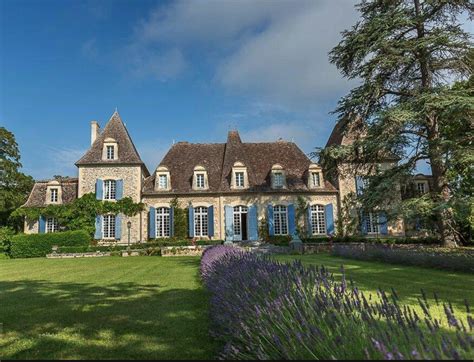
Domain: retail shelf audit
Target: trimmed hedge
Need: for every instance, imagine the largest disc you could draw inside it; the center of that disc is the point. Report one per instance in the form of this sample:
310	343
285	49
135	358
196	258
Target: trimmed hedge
39	245
6	236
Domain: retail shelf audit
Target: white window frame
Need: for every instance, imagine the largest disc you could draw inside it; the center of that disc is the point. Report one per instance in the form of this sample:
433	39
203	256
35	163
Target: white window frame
110	152
372	223
54	195
240	179
280	220
110	190
318	220
423	184
108	226
52	225
201	221
161	185
316	176
163	225
278	179
200	180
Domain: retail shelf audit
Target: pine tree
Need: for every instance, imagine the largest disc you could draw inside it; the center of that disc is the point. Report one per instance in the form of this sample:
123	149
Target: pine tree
408	55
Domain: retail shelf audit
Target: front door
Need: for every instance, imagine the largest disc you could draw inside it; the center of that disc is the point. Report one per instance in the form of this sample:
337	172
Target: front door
240	223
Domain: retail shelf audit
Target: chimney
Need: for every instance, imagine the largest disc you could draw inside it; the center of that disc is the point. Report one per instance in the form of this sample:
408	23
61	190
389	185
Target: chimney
95	130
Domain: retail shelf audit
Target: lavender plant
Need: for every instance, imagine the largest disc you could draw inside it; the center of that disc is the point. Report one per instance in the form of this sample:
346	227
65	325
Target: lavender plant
263	309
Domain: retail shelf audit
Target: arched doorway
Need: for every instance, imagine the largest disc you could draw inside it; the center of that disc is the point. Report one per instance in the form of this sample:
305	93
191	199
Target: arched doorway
240	223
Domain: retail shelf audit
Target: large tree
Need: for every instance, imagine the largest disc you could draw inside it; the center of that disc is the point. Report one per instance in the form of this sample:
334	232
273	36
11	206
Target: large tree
14	185
407	56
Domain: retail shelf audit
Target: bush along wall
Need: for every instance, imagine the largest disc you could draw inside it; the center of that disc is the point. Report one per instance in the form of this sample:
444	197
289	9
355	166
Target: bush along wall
262	309
39	245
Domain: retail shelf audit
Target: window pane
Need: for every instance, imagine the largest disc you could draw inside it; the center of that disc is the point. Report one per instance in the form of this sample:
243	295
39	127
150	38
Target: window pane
51	225
318	220
109	226
200	180
316	179
110	152
163	182
239	179
280	220
200	221
162	222
278	177
54	195
110	189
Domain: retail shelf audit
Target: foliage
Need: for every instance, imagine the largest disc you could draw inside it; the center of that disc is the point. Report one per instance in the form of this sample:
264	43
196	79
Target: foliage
460	259
6	235
263	229
406	55
39	245
14	185
301	212
180	220
288	311
81	213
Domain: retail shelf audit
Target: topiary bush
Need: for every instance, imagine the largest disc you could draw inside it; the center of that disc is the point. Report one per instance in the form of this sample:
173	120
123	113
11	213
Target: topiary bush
39	245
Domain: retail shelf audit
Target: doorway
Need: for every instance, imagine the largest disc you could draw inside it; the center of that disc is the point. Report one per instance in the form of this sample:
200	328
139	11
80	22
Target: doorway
240	223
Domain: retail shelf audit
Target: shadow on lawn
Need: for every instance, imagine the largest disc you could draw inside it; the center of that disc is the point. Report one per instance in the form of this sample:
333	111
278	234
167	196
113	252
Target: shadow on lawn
44	320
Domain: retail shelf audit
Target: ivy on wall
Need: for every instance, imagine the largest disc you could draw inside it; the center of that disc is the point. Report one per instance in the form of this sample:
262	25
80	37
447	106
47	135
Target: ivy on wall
81	213
180	219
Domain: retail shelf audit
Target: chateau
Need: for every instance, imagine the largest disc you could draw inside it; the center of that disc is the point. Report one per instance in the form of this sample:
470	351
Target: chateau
229	189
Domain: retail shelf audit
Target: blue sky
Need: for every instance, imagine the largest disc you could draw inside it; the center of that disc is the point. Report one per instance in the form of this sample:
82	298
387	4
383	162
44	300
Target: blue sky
181	70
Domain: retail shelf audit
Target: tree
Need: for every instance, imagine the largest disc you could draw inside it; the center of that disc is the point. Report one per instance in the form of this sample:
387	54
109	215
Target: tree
14	185
407	55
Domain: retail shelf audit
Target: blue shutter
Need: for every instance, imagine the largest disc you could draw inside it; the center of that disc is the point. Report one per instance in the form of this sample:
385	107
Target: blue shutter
210	221
383	223
359	185
152	223
118	227
98	228
271	226
229	222
119	190
191	221
171	221
329	213
252	222
99	189
42	225
309	220
291	219
363	224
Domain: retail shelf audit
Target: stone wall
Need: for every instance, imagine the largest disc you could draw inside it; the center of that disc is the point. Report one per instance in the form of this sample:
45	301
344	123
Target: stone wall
31	227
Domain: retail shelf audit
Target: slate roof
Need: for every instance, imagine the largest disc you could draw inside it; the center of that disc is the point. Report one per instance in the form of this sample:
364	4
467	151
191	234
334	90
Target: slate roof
37	196
127	152
219	158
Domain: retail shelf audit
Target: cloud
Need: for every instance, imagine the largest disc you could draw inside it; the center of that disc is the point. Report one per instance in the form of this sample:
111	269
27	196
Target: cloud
152	152
56	161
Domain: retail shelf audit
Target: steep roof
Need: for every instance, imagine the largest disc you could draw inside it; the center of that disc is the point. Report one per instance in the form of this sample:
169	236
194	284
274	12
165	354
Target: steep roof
345	133
219	158
37	196
127	152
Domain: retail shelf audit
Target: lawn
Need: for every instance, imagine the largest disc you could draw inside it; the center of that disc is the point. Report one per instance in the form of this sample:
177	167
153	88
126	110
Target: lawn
105	308
407	281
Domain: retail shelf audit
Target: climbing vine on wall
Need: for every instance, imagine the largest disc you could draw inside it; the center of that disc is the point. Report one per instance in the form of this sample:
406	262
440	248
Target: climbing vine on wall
180	220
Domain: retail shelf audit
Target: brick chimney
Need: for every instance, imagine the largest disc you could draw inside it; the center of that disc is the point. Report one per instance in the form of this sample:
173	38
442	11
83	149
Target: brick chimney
95	131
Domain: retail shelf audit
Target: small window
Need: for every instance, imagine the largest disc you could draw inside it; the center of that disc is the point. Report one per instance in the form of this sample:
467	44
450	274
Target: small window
111	152
420	186
200	184
54	195
372	223
52	225
109	227
162	222
163	182
239	179
110	189
200	221
280	220
316	179
278	179
318	220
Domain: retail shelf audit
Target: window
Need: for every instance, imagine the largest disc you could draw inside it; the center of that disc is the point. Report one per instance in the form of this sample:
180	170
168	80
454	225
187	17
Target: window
163	182
278	179
162	222
109	227
239	179
200	184
54	195
52	225
111	152
280	220
318	220
372	223
110	188
315	178
238	211
420	186
200	221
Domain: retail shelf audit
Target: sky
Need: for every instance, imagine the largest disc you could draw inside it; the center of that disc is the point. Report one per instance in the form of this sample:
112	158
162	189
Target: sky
176	71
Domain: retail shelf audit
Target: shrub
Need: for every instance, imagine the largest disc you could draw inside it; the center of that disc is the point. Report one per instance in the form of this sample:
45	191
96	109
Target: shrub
39	245
6	236
262	309
459	259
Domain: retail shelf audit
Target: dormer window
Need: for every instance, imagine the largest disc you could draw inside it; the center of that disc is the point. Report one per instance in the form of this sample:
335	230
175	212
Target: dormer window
54	196
110	153
110	189
162	182
278	177
421	187
53	192
315	178
200	178
239	176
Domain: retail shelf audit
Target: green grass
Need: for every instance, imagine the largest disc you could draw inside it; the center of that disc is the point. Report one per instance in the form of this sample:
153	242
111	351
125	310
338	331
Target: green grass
407	281
104	308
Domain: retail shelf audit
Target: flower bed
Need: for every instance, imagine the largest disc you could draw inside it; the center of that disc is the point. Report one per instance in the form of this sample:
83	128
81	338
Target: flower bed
459	259
262	309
